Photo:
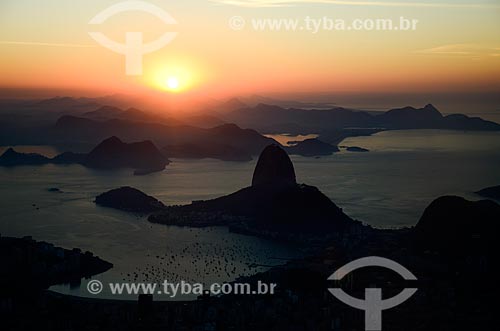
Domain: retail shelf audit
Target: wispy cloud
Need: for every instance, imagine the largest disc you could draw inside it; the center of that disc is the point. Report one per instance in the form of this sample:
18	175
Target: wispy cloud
467	50
286	3
36	43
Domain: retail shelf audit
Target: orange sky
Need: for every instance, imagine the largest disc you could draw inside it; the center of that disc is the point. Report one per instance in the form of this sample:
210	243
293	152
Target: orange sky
45	44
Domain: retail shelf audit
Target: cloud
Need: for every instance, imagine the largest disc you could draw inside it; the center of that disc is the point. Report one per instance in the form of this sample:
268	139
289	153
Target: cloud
287	3
36	43
467	50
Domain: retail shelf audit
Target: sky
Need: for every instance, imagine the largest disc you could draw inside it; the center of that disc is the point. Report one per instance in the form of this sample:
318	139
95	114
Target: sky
45	44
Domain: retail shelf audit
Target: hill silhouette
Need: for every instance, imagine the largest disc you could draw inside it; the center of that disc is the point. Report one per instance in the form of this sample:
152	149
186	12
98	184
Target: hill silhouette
274	202
173	139
113	153
12	158
271	118
274	169
453	226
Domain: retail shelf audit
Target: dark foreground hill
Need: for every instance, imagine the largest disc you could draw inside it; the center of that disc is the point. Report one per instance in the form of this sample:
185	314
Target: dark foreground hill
453	293
454	260
29	265
456	227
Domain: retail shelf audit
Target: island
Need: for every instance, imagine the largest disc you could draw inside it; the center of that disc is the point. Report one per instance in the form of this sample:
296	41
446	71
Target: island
129	199
311	147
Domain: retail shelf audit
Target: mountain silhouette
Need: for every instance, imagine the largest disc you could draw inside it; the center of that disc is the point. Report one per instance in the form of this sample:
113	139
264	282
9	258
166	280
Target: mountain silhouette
103	113
245	142
274	168
113	153
411	118
131	114
453	226
271	118
12	158
274	202
231	105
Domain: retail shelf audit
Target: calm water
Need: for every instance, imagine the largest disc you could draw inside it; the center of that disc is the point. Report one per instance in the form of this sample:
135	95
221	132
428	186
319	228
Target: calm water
285	139
137	248
388	187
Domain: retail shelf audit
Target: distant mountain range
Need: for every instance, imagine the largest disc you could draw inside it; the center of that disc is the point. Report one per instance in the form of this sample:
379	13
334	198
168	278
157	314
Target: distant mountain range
81	123
225	140
273	119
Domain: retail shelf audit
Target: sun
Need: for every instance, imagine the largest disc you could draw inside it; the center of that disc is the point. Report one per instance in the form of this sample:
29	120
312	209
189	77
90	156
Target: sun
175	78
173	83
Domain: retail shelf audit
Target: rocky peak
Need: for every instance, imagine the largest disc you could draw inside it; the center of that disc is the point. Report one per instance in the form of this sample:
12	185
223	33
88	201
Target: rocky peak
274	168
